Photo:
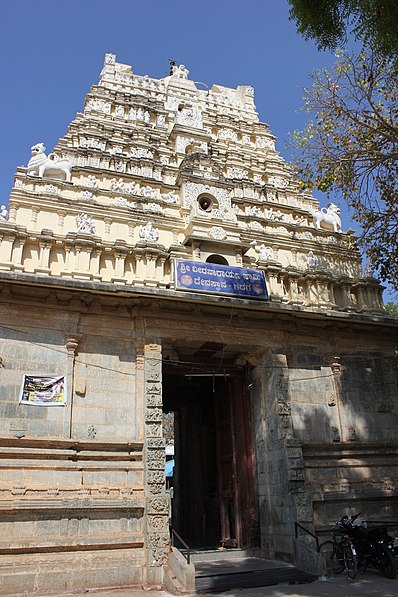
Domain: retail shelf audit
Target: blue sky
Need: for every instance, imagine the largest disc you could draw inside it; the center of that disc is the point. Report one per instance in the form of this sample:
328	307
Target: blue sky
53	52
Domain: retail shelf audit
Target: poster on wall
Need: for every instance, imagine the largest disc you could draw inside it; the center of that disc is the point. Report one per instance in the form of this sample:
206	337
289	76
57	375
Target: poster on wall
43	390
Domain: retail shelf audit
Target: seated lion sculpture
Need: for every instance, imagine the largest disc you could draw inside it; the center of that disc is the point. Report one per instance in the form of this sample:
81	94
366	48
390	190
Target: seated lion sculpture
329	219
52	165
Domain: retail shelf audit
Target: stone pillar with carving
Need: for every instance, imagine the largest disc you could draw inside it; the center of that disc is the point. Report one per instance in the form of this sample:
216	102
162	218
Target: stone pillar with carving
334	400
71	343
157	530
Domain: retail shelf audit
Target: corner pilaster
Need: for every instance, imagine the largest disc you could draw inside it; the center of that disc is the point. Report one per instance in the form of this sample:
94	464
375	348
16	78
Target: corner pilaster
157	502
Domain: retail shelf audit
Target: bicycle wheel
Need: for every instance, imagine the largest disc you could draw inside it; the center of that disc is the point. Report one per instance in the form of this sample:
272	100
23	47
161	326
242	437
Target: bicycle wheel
350	561
387	565
333	555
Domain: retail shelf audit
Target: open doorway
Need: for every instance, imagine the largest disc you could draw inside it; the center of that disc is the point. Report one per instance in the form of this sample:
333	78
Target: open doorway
213	478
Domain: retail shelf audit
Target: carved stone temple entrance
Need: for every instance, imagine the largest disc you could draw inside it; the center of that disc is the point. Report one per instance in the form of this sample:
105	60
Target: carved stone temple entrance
213	495
163	257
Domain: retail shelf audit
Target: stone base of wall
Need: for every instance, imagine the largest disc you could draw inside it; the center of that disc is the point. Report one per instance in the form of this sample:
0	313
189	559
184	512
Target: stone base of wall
60	572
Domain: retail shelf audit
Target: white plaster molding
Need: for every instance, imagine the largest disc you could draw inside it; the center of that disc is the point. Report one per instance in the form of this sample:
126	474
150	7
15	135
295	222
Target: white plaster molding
3	214
85	223
218	233
149	233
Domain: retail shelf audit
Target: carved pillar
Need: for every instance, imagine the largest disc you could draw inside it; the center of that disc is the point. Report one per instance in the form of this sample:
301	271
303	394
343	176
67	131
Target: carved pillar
17	253
131	226
77	257
139	268
196	250
95	263
238	257
34	216
108	223
120	258
13	208
82	269
293	292
61	221
44	258
346	296
274	286
360	293
176	233
311	290
336	429
157	519
71	343
150	267
67	269
6	245
293	276
162	261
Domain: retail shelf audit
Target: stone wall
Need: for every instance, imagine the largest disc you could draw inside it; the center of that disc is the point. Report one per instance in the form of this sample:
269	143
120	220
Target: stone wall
325	430
72	478
85	482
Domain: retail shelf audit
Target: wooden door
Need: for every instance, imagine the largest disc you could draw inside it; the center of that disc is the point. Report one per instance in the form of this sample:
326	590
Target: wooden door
238	511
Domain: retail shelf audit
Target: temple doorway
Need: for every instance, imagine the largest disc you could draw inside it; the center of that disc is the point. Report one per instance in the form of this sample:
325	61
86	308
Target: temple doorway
213	502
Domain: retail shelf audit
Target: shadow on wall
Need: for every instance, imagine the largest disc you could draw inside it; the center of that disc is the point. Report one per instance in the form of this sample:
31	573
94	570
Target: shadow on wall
346	415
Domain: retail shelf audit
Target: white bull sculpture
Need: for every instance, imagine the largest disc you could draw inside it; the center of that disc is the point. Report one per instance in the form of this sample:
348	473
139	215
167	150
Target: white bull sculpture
328	218
51	165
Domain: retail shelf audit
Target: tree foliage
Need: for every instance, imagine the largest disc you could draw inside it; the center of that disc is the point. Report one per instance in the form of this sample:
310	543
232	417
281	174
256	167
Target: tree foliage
168	427
392	309
374	22
350	148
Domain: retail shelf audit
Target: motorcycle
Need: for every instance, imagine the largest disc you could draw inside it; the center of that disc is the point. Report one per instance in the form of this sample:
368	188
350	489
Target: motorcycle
373	545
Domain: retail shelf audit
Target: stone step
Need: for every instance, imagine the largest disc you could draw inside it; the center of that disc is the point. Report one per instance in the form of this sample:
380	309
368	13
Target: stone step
255	578
241	573
205	555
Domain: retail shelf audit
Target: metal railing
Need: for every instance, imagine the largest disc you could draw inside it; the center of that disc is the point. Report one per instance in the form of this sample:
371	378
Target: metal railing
298	526
175	535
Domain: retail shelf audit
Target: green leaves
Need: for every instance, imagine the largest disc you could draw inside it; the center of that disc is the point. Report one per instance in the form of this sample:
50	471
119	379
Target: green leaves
329	23
350	148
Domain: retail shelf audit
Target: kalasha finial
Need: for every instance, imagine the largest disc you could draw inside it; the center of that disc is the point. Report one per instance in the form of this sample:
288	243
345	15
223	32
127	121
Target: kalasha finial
172	64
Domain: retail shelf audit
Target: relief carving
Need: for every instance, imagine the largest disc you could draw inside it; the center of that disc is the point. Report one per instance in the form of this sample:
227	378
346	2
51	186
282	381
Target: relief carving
158	557
154	414
158	523
159	505
155	455
156	477
158	540
155	443
154	430
157	488
352	434
154	400
153	388
156	465
152	362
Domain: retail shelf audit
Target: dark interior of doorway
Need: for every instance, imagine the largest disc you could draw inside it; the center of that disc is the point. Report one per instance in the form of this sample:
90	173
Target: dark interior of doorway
213	501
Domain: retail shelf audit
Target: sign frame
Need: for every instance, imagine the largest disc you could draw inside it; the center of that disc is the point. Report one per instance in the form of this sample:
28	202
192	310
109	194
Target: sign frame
214	278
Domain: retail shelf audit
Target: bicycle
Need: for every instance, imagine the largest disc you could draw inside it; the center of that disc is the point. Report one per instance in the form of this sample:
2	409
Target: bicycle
339	554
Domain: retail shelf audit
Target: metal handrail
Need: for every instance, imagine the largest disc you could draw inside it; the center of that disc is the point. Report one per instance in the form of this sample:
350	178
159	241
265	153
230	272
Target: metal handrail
298	526
181	540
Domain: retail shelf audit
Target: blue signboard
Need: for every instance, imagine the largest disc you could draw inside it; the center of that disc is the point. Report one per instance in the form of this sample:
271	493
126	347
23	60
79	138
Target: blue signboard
219	279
